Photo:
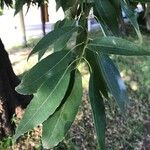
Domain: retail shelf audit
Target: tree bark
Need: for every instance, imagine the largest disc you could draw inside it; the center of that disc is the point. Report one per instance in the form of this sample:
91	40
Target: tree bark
9	98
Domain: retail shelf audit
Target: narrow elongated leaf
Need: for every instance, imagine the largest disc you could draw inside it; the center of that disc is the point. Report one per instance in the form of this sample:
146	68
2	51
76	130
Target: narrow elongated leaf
116	5
107	28
56	127
117	46
106	31
44	103
61	43
113	80
8	3
43	70
142	1
132	17
18	5
64	23
65	4
58	46
107	14
92	59
50	38
98	110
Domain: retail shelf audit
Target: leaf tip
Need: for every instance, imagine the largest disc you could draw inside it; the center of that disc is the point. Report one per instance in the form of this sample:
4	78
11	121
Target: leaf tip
21	89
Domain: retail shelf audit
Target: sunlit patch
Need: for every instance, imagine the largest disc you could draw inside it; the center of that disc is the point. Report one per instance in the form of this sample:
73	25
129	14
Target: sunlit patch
134	85
122	73
125	75
129	72
85	81
127	78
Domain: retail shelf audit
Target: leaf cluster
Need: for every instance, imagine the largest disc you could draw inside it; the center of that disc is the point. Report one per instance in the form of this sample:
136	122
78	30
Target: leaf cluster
56	81
18	4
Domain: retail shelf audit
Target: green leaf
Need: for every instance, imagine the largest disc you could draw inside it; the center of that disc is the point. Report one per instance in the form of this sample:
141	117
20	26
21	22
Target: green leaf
113	80
116	5
45	69
132	17
61	43
44	103
2	4
92	59
65	23
8	3
50	38
81	35
98	110
142	1
65	4
57	125
117	46
107	14
18	5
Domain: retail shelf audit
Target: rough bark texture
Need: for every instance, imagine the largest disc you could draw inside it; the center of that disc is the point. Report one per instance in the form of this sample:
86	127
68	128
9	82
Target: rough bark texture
9	98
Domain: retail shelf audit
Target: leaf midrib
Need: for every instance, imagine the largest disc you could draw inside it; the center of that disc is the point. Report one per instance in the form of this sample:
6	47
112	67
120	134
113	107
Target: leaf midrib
57	37
60	114
109	85
57	120
107	46
36	80
43	102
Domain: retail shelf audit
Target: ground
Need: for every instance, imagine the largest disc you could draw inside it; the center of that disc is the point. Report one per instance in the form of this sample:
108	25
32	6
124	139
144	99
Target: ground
124	132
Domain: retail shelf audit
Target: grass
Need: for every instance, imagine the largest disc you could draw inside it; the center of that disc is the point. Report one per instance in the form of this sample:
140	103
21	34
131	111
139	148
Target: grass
123	132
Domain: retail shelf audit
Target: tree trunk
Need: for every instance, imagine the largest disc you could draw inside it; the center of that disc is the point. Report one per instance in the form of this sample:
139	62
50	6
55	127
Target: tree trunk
9	98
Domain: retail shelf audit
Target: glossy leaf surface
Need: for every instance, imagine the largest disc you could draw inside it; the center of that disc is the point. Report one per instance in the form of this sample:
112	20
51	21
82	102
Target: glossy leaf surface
44	103
65	4
50	38
56	127
98	110
96	71
107	15
45	69
18	5
117	46
113	80
132	18
61	43
143	1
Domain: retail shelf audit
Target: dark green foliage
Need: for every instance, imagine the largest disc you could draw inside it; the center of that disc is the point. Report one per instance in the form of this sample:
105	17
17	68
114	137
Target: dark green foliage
59	123
131	16
98	109
51	65
108	15
19	4
55	80
117	46
53	37
8	3
96	71
112	79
